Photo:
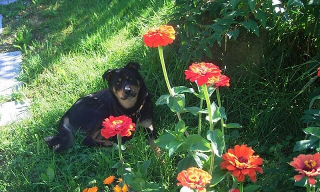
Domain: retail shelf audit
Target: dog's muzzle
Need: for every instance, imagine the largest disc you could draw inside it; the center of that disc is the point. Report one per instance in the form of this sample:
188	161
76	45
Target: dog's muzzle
128	92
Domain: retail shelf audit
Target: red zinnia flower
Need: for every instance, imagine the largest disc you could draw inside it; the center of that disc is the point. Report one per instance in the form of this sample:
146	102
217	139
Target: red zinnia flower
241	161
202	72
194	178
162	36
121	125
318	72
308	166
223	81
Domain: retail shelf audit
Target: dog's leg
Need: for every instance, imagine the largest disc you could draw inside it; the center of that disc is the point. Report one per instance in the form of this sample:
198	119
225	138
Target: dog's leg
147	124
64	139
95	139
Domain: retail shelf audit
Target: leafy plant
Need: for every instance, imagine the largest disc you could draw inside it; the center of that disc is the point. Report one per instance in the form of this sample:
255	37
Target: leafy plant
23	39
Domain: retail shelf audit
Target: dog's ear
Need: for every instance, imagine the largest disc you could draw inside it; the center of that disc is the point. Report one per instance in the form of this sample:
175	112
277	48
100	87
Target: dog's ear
106	76
133	65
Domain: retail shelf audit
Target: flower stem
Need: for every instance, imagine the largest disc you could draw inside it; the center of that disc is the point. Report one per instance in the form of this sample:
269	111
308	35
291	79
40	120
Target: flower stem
241	187
308	187
165	74
219	104
119	138
212	162
206	95
164	70
200	117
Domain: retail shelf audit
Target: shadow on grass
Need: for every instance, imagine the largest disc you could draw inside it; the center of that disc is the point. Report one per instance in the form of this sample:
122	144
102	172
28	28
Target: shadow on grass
63	27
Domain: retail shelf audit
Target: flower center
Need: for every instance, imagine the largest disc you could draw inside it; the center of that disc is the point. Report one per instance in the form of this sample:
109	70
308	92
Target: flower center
117	122
243	160
310	164
193	178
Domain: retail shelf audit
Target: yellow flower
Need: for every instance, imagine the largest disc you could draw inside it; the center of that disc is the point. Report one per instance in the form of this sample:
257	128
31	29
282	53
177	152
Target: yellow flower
125	188
117	188
119	180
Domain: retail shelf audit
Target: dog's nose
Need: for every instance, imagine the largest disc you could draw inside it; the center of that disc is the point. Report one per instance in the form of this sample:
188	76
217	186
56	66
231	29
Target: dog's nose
127	90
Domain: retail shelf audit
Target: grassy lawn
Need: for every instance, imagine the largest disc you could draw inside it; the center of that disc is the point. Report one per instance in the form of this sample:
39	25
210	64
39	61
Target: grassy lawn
68	44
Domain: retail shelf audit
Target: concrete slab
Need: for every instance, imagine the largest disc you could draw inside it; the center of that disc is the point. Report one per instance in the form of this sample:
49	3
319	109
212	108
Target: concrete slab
13	111
10	67
6	2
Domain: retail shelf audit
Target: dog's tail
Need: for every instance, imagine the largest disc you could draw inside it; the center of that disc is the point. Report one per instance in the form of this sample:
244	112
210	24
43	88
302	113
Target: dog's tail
64	139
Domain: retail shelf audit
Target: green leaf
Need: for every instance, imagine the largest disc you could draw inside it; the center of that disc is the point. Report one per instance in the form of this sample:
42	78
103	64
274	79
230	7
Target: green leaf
254	27
295	3
177	103
252	4
197	143
251	188
234	3
313	100
251	25
218	176
186	162
218	113
261	16
44	177
233	34
174	146
315	131
164	140
193	110
144	167
180	127
232	125
216	138
305	144
163	99
215	27
182	89
50	174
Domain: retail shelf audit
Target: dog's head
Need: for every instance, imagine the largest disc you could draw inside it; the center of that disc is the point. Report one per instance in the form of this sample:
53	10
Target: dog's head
125	83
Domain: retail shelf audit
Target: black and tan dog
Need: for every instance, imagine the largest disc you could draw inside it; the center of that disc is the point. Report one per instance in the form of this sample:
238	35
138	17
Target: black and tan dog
127	95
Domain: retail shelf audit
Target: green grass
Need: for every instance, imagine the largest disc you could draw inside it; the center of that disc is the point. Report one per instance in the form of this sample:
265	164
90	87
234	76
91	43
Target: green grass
72	44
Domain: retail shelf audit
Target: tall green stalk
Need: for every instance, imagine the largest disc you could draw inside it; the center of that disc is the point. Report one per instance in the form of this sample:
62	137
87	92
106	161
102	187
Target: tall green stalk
119	138
219	104
241	187
207	98
164	70
308	188
165	74
200	118
208	102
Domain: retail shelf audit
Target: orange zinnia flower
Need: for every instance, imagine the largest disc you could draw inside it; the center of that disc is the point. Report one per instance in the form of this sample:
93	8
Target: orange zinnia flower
108	180
162	36
241	161
308	166
92	189
121	125
194	178
202	72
